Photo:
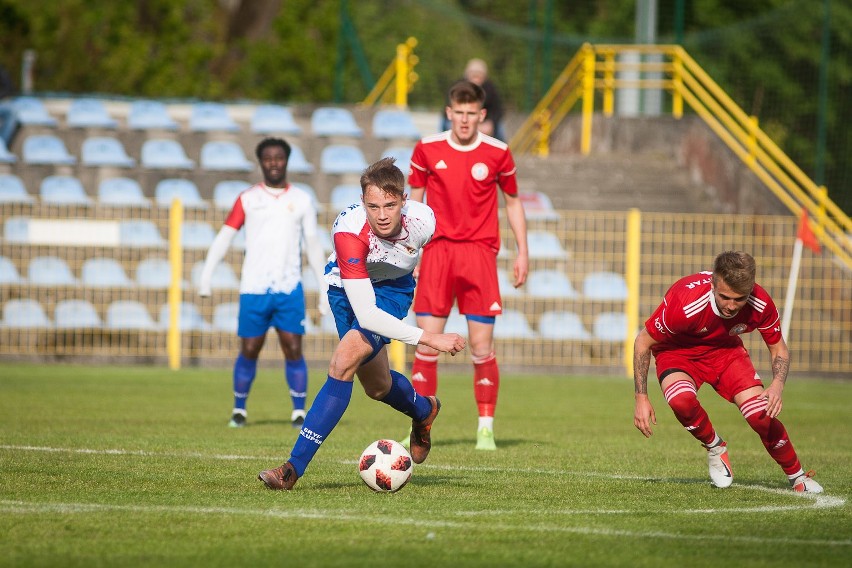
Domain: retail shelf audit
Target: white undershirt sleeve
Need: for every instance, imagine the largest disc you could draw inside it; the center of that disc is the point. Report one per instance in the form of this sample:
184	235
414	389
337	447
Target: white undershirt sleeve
217	251
362	298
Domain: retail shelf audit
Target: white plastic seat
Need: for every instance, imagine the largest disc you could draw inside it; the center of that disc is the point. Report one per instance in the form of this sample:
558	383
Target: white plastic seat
544	244
537	205
394	123
46	149
154	273
196	235
604	286
512	324
312	192
225	317
309	280
507	284
224	155
211	117
344	195
610	326
225	193
224	277
150	115
562	325
122	191
63	190
402	154
104	151
129	314
9	272
456	323
189	318
24	313
31	111
6	157
548	283
140	233
183	189
162	153
50	271
16	230
324	237
89	113
12	190
297	163
104	273
274	119
334	121
342	159
76	314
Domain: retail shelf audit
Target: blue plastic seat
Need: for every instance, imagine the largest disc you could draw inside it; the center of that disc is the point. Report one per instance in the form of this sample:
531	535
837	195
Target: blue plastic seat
225	317
155	273
50	271
211	117
544	244
549	283
16	230
89	113
46	149
150	115
24	313
604	286
189	317
140	233
224	155
402	154
31	111
224	277
183	189
9	272
63	190
344	195
121	192
6	157
334	121
297	163
129	314
104	273
394	123
274	119
308	188
512	324
103	151
162	153
561	325
76	314
225	193
196	235
342	159
610	326
12	190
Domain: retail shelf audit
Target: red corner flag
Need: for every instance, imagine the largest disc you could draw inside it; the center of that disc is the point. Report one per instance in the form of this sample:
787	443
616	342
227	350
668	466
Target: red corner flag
806	235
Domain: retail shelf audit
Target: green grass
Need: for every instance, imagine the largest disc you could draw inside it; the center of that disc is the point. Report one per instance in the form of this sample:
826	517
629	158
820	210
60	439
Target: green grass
136	467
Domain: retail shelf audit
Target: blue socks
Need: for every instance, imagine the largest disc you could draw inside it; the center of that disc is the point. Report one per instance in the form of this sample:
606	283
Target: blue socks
326	411
404	398
244	373
296	373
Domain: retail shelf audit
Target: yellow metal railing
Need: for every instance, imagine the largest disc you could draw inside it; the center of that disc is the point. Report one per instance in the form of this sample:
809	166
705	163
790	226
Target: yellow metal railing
603	69
398	78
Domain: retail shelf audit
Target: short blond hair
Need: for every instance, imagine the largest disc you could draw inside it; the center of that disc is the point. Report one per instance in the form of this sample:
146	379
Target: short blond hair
737	269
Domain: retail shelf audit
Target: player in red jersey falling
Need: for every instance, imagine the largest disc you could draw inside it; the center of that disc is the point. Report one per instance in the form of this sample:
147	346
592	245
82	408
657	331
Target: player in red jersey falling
459	173
694	336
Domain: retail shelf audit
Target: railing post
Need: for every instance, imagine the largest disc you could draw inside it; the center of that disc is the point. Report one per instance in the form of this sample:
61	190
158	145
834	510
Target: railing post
588	99
677	90
631	277
396	354
175	293
542	147
403	53
609	82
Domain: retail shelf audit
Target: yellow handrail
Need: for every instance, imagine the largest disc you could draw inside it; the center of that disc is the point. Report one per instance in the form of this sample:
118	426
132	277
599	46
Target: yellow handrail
398	78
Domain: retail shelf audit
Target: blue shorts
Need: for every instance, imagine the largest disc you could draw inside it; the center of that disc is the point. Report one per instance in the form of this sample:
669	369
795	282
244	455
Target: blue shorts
395	300
284	312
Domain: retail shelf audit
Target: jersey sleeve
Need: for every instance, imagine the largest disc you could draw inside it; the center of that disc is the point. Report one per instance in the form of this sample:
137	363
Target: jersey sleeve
351	255
770	324
418	173
655	325
237	217
507	175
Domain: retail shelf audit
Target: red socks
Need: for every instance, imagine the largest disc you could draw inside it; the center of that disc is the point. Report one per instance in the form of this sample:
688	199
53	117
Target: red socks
424	374
486	383
772	433
683	400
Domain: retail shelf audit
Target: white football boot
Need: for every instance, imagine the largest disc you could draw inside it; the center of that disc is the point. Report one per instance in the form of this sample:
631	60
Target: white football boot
721	473
805	483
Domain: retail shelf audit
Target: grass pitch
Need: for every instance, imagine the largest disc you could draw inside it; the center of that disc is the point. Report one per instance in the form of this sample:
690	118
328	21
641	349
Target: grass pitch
136	467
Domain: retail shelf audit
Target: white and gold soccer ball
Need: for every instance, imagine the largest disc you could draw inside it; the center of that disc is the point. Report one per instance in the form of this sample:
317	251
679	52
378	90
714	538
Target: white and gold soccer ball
385	466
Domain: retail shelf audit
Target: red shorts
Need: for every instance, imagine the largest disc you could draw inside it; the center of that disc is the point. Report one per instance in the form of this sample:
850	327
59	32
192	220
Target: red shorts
729	371
463	271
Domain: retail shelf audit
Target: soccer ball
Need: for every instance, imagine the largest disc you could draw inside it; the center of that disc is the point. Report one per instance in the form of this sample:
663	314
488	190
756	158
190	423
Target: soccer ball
385	466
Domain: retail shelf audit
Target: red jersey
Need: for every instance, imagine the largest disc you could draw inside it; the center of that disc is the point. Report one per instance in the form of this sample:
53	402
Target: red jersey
461	185
688	320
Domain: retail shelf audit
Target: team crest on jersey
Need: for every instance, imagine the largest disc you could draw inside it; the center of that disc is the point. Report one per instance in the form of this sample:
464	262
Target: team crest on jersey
738	329
479	171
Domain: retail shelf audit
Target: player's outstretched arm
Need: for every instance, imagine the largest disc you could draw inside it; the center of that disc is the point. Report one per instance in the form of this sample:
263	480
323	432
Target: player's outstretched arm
215	254
450	343
780	366
643	411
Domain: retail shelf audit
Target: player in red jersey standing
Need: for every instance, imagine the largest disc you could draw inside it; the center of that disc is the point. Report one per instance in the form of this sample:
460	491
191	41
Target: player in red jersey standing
459	173
694	336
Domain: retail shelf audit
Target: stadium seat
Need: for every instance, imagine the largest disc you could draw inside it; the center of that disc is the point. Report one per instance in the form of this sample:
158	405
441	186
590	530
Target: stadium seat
32	112
161	153
150	115
297	163
196	235
211	117
24	313
224	277
225	317
456	323
46	149
183	189
224	155
310	191
50	271
537	205
344	195
544	244
334	121
139	234
604	286
9	272
225	193
155	273
610	326
507	285
76	314
548	283
89	113
12	190
561	325
324	237
63	190
104	273
512	325
342	159
6	157
103	151
129	314
16	230
394	123
274	119
189	318
122	191
402	154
